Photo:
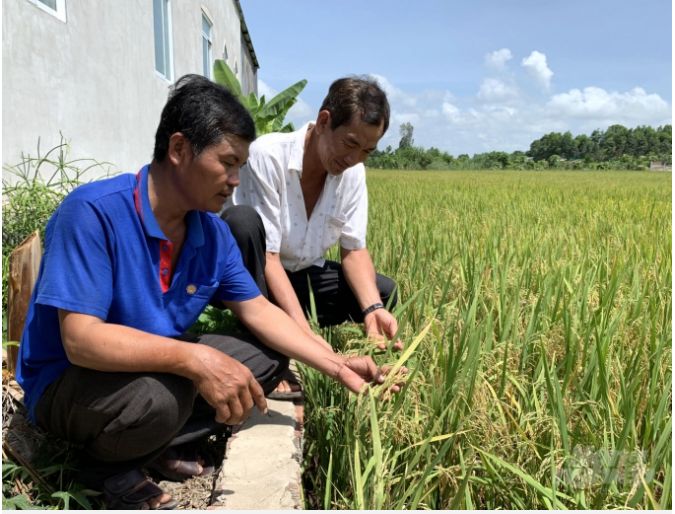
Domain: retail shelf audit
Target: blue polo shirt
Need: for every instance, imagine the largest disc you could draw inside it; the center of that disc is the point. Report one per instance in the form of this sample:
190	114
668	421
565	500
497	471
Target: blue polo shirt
105	255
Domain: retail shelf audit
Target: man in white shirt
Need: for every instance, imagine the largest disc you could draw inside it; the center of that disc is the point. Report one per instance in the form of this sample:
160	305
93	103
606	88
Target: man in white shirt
307	190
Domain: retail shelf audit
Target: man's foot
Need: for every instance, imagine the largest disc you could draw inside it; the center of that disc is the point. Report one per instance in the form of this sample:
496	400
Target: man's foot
287	387
156	502
181	462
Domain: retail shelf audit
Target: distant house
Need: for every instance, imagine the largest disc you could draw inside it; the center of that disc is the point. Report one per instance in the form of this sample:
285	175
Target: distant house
100	71
660	166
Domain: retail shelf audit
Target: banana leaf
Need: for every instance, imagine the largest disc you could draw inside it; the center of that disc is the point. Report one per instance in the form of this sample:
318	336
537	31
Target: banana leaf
225	77
277	104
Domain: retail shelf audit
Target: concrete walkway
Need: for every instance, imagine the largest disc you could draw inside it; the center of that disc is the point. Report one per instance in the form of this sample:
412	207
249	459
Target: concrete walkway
262	464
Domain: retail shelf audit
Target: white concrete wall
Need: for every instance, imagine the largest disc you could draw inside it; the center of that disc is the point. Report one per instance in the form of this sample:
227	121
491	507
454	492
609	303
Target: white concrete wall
93	78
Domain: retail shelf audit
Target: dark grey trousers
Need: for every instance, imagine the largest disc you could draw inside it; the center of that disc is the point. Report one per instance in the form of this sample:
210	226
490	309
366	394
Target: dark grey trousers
333	298
125	420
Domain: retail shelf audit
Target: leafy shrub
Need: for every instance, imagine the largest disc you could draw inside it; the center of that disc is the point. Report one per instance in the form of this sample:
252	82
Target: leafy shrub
439	165
38	186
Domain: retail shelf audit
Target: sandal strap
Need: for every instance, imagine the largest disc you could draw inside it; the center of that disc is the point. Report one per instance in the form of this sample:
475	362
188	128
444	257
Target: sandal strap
125	482
129	490
143	493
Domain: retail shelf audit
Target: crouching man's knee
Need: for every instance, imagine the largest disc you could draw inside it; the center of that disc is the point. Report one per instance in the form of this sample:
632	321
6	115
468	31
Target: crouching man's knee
159	408
278	366
245	223
388	291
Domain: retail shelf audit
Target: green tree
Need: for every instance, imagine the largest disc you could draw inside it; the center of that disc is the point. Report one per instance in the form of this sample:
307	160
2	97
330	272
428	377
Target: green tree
406	131
585	147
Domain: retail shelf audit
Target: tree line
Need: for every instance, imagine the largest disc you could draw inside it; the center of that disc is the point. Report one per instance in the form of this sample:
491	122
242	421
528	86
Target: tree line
617	148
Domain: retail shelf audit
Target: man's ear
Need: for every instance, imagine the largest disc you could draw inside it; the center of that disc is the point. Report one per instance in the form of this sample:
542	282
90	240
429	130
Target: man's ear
322	122
180	151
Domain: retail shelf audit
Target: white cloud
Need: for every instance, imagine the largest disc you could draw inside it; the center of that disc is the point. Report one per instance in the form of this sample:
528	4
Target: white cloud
495	90
536	67
393	93
265	90
500	113
501	116
398	118
452	113
594	103
497	59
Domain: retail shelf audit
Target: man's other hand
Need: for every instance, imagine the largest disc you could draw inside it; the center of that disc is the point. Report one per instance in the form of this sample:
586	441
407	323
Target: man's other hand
356	372
228	386
379	323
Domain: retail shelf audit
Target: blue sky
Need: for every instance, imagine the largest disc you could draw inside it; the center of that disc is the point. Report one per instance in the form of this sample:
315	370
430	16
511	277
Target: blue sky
477	75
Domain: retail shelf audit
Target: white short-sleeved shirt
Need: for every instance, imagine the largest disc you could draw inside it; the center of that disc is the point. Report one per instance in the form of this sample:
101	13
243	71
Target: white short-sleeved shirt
270	183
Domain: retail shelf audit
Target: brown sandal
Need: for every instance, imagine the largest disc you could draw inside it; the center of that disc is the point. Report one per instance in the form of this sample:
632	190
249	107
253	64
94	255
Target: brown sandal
130	490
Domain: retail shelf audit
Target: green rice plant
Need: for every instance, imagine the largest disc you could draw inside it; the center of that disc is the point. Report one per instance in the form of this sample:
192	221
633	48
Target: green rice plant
543	376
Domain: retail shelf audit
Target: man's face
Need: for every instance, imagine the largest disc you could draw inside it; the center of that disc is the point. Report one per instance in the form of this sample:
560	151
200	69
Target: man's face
347	145
210	179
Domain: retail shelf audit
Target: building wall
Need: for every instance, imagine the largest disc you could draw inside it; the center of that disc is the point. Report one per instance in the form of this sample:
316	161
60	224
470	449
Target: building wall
249	77
93	78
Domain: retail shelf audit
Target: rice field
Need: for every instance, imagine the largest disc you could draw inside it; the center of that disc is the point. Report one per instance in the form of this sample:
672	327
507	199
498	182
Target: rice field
536	310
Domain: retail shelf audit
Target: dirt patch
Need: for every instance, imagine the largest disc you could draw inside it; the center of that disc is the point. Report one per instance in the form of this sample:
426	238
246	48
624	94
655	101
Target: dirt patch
36	447
197	493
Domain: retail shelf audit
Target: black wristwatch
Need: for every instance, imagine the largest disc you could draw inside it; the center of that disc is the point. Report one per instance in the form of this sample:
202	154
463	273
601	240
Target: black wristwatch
372	308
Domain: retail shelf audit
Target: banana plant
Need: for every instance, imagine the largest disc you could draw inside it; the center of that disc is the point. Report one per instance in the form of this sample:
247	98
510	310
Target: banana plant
268	116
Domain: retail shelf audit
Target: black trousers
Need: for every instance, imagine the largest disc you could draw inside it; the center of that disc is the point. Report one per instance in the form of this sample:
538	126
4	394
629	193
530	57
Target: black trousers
125	420
333	298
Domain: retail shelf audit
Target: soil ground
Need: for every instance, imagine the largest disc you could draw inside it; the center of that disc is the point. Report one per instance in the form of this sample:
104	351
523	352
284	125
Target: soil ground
38	448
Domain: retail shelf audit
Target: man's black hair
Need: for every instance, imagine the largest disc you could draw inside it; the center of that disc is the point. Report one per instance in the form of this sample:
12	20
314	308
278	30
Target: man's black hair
204	112
360	96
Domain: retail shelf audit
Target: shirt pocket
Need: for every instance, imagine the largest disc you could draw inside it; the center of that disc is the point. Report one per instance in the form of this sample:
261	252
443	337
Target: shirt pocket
332	230
192	301
193	290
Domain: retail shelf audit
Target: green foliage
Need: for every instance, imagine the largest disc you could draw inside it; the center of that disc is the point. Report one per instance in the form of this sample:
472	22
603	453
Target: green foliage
59	490
406	131
268	116
75	497
542	310
616	141
19	502
215	321
36	187
618	148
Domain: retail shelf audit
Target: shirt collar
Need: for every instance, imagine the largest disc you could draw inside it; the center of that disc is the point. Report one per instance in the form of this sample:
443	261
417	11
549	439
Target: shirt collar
195	232
298	149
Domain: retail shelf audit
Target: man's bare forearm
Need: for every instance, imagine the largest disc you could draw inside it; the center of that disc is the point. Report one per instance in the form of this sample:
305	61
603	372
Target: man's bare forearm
282	292
278	331
359	271
91	343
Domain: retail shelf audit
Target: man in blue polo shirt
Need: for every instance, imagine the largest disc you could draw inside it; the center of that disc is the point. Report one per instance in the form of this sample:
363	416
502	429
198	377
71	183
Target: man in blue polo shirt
129	264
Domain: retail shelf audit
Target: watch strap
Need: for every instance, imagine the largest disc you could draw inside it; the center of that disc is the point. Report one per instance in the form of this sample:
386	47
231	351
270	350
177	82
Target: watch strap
373	307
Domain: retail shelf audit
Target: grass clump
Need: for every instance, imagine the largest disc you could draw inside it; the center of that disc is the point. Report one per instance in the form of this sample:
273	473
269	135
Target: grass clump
33	190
